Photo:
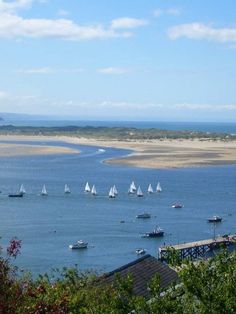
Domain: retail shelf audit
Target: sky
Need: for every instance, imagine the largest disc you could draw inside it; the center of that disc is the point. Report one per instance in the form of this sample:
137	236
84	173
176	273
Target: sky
146	60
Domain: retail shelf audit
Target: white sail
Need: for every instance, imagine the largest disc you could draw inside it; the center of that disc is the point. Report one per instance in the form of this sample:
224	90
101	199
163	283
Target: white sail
111	193
22	189
44	191
150	189
130	190
67	189
159	189
94	191
133	186
87	188
115	190
139	192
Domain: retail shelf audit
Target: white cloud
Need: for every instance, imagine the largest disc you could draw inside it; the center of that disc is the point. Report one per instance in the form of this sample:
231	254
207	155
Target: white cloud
14	5
3	95
170	11
44	70
208	107
127	23
202	31
113	70
62	13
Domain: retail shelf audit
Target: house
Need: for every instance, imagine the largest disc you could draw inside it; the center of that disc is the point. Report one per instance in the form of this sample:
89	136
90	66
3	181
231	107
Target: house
143	270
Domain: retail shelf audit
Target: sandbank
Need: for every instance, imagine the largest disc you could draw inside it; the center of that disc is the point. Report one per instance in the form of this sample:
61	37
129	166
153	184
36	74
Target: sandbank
165	153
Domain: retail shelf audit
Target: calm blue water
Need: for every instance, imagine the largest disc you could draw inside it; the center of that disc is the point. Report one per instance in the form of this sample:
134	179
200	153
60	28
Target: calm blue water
47	225
194	126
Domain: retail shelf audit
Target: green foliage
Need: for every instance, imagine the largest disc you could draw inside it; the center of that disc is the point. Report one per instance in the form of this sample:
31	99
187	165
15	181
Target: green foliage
208	286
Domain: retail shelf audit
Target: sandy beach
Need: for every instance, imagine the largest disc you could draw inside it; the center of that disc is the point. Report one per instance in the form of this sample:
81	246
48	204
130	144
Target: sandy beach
150	154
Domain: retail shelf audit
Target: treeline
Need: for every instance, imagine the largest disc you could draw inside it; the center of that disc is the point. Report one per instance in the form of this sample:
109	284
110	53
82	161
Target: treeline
206	287
118	133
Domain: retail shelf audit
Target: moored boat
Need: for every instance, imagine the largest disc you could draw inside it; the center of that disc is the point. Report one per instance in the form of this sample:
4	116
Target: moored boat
16	195
144	215
140	251
214	218
157	232
79	245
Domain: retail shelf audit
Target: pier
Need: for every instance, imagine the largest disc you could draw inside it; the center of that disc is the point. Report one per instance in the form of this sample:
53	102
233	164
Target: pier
193	250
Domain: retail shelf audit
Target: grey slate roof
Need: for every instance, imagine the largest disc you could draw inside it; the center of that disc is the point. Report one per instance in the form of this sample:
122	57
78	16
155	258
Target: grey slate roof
143	270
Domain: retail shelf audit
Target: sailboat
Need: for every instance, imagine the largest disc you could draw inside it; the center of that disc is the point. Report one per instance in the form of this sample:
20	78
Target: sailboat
159	189
139	192
22	189
44	191
94	191
112	193
130	190
133	186
87	188
66	189
150	189
115	190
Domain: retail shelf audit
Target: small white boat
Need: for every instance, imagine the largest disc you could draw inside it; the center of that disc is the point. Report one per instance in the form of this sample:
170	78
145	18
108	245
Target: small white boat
87	188
144	215
140	251
177	205
159	189
79	245
22	189
67	189
133	187
115	190
150	189
94	191
130	190
139	192
101	150
111	193
44	191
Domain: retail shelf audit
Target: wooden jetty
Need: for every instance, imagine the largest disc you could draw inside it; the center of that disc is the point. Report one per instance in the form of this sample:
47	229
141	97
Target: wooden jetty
193	250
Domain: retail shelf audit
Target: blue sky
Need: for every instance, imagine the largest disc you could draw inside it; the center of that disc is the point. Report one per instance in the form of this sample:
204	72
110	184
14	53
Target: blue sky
152	60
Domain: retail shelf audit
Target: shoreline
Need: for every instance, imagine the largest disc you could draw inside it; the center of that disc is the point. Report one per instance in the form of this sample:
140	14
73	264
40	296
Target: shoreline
161	154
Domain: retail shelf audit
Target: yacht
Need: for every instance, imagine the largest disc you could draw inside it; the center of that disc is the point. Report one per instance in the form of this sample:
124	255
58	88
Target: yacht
79	245
214	219
157	232
140	251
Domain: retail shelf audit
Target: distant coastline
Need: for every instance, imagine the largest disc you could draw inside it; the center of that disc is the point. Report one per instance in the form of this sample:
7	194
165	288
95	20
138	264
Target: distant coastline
171	150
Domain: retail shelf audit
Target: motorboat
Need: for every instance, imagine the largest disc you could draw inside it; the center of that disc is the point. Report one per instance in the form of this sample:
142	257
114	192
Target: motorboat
177	205
140	251
144	215
157	232
79	245
214	219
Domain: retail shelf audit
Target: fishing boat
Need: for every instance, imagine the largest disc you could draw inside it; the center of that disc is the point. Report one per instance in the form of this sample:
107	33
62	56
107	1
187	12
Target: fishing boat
67	189
111	193
22	189
214	219
139	192
150	189
94	191
140	251
144	215
44	191
177	205
79	245
87	188
157	232
159	189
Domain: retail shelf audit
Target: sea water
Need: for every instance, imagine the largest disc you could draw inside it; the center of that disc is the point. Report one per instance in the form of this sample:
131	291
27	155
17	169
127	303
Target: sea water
47	225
